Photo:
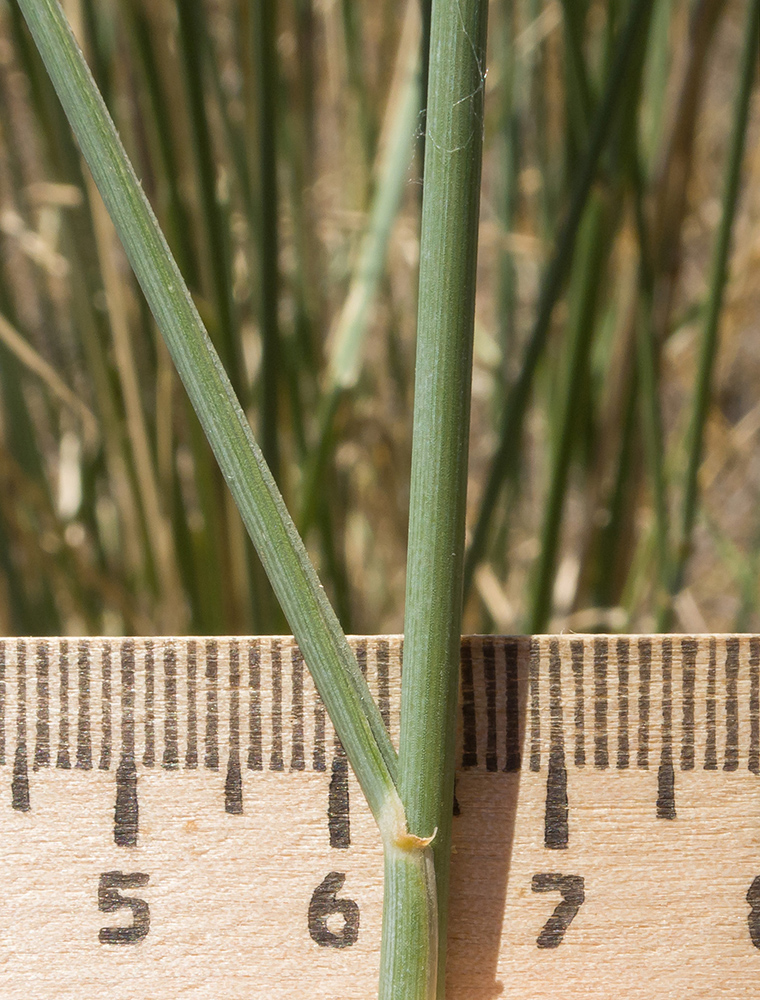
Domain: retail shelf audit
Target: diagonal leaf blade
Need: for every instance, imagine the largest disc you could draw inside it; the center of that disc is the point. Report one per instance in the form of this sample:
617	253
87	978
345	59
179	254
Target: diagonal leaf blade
336	674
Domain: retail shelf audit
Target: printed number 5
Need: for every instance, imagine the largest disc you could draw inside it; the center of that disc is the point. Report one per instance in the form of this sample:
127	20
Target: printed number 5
753	919
571	887
110	900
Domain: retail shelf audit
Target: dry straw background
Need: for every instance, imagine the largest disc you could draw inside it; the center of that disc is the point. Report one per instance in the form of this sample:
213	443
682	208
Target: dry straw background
261	144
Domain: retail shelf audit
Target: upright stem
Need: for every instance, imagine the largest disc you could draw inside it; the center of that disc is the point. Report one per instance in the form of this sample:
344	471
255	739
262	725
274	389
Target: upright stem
651	416
448	255
264	31
191	33
425	14
519	393
709	343
592	249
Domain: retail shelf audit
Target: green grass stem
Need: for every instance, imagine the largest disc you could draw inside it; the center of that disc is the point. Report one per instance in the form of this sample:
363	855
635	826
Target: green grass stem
580	98
590	259
264	47
510	434
509	136
651	416
443	375
606	585
192	32
155	107
352	15
719	276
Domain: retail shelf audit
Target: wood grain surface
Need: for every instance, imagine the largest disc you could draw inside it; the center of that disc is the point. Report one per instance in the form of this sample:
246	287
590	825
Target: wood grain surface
179	821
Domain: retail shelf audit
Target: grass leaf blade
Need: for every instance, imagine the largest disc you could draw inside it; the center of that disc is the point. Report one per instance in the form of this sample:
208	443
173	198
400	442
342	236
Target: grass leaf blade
336	673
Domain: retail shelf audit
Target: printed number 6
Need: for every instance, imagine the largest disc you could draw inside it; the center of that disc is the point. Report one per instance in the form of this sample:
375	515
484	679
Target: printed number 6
323	904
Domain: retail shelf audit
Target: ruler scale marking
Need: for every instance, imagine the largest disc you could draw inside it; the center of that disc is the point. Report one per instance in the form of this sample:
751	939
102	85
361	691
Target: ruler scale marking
105	709
64	758
666	803
731	759
84	730
489	672
191	755
338	817
645	668
128	698
42	741
233	784
512	713
149	752
170	758
383	682
211	758
319	759
601	745
577	648
535	706
689	672
693	696
753	761
255	758
556	812
469	739
360	652
471	758
234	658
20	782
297	759
711	745
276	762
126	811
623	650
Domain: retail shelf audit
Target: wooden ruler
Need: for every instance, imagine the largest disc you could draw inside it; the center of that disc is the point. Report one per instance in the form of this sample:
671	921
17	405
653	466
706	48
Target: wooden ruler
180	821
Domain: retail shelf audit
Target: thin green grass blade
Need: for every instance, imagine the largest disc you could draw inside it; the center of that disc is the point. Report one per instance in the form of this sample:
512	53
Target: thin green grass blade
348	338
264	44
709	345
192	31
366	126
336	673
156	110
510	434
580	98
607	564
651	416
590	259
509	144
656	72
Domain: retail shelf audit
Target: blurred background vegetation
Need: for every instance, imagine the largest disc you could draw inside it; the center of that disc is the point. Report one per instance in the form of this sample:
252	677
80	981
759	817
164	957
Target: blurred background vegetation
615	452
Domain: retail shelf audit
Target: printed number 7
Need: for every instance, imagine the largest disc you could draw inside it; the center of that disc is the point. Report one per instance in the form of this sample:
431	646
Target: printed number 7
571	888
